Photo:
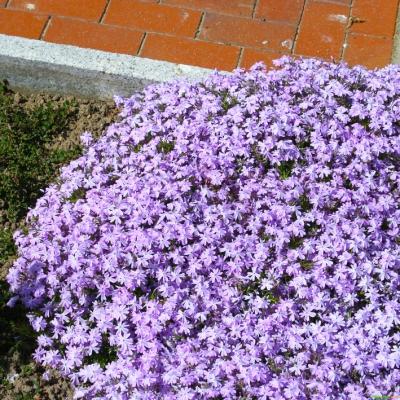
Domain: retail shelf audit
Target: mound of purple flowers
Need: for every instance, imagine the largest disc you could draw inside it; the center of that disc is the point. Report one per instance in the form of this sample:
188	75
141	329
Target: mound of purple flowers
232	239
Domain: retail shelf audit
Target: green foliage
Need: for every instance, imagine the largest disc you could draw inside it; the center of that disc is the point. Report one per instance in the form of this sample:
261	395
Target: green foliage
104	355
305	204
77	195
7	246
260	158
165	147
138	147
311	228
240	161
306	264
295	242
227	100
16	335
27	162
304	144
285	169
385	225
255	287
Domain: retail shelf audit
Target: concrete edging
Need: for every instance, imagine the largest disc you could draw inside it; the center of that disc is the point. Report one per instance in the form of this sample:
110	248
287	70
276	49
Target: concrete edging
396	41
34	65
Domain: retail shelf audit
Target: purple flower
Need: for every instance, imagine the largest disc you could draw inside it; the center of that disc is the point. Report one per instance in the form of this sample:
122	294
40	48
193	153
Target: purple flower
235	238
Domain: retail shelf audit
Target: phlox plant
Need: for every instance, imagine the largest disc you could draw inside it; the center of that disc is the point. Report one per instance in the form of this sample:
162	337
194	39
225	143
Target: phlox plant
237	238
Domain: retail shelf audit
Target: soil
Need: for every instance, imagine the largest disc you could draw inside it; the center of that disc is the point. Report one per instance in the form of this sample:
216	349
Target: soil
25	378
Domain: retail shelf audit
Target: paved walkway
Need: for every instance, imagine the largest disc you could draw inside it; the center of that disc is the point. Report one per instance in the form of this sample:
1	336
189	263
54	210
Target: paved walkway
221	34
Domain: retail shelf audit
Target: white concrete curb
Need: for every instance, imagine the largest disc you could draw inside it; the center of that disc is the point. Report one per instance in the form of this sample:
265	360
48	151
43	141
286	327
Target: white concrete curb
34	65
396	41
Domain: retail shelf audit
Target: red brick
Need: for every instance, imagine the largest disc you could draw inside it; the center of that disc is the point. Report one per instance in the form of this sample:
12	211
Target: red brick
247	32
153	17
189	51
322	30
281	10
367	50
87	9
234	7
20	23
379	17
250	57
93	35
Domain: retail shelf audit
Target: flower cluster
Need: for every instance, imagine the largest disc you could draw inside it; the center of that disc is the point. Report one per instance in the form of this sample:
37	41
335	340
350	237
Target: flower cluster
237	238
